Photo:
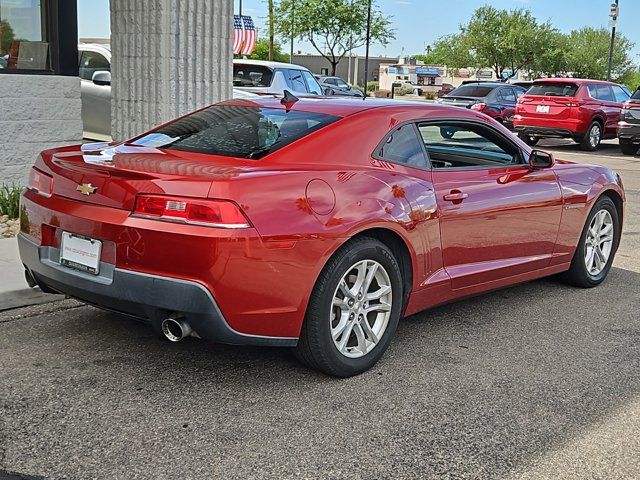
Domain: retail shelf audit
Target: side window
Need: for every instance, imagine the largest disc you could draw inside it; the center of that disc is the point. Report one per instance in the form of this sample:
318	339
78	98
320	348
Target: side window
312	83
451	145
403	146
619	94
341	83
330	81
91	62
602	92
295	80
519	92
507	95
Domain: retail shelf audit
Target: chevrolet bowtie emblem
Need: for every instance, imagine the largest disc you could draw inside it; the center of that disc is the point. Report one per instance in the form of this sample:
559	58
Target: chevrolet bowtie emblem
86	189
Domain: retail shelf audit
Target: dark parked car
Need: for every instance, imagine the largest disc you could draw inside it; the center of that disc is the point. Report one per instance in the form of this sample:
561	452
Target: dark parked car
337	86
629	125
498	100
586	111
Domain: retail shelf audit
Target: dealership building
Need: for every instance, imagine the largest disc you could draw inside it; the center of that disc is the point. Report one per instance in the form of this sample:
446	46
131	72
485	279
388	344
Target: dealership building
168	57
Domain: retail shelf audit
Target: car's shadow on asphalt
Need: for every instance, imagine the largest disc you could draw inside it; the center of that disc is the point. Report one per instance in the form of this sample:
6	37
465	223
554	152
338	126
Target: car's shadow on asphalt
473	389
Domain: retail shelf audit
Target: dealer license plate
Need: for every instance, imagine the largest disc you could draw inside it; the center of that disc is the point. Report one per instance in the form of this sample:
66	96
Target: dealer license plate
81	253
542	109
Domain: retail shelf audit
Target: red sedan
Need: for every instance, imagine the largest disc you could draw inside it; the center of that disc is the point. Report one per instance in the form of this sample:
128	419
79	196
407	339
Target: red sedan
315	224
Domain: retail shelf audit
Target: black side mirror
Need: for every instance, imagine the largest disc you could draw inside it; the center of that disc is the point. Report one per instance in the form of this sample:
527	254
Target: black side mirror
540	159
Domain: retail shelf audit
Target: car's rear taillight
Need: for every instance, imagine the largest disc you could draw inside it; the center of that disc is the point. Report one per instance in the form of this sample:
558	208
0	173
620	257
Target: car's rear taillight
194	211
40	183
478	106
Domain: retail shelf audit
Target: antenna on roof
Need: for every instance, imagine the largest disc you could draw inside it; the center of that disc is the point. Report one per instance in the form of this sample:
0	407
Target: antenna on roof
288	100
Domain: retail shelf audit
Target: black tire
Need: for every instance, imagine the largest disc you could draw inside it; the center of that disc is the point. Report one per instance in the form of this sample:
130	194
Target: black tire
588	143
628	147
528	139
316	347
578	275
447	132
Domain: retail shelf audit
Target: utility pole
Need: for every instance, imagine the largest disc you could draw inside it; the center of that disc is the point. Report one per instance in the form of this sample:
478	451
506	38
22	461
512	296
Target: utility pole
366	54
271	30
293	20
615	11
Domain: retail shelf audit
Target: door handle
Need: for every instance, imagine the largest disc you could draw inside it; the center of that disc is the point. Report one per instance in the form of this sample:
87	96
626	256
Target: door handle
455	197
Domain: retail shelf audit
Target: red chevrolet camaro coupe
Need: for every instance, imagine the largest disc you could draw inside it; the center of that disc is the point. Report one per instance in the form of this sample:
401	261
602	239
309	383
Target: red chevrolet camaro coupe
315	224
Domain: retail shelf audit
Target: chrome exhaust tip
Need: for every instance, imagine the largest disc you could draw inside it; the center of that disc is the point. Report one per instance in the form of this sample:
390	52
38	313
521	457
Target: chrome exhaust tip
175	329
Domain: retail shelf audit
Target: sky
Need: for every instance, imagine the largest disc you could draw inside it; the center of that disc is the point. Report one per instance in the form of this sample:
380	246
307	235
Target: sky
420	22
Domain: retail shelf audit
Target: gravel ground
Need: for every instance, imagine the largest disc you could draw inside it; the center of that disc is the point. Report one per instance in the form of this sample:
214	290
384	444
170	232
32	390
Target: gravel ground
538	381
9	227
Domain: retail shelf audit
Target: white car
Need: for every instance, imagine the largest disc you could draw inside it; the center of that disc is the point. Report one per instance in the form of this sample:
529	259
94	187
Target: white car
95	86
261	77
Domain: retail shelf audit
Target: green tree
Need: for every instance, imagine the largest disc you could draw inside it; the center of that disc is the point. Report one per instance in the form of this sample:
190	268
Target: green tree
588	54
501	39
333	27
261	51
505	39
6	36
451	50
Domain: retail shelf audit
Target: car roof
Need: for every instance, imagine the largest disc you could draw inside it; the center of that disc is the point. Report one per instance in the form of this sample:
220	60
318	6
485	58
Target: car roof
265	63
577	81
342	106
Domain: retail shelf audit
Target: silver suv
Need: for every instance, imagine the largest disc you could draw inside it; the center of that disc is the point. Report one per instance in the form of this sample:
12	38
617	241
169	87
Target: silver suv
258	76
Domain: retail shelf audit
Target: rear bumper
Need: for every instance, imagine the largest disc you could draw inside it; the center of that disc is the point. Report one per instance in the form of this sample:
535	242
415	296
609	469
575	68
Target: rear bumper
629	132
545	131
142	295
540	127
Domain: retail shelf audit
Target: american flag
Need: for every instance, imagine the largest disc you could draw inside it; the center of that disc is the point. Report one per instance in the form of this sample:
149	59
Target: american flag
238	34
250	36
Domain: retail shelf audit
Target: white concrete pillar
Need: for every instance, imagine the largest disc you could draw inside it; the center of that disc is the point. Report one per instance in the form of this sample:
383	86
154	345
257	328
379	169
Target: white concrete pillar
169	57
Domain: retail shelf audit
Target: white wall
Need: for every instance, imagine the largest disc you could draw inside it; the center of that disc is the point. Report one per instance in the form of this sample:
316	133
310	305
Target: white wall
169	57
38	112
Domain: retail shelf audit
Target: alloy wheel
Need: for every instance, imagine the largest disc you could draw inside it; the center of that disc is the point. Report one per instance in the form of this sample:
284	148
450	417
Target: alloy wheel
594	135
599	242
361	308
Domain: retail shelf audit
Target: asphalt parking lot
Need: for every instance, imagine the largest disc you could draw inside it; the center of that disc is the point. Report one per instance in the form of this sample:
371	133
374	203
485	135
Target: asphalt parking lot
536	381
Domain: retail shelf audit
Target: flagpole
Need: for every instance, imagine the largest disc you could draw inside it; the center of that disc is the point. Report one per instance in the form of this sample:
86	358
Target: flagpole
240	13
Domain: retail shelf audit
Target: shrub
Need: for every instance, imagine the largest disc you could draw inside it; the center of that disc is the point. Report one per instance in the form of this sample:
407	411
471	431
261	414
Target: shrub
405	89
10	200
430	95
372	86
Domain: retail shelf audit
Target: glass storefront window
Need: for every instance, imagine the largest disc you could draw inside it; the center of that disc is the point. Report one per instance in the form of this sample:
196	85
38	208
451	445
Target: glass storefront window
23	44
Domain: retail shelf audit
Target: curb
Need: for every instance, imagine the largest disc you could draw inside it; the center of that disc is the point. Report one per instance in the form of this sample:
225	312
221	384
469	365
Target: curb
26	298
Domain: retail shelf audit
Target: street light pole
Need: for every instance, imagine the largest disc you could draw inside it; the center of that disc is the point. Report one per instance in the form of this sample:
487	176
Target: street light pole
614	21
366	55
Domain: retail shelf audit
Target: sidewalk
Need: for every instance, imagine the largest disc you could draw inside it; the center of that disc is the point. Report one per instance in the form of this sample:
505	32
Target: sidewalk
14	291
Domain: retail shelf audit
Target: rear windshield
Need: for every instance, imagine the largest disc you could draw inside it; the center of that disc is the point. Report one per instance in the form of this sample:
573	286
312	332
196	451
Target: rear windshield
559	89
475	91
252	76
236	131
636	95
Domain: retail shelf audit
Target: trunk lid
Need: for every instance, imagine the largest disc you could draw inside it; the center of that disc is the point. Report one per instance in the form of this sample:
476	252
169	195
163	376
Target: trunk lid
465	102
113	175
